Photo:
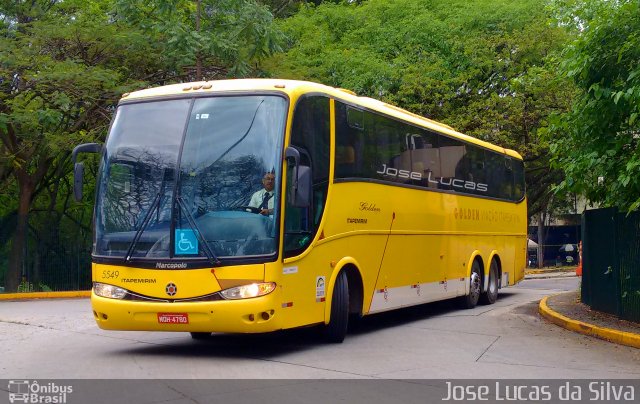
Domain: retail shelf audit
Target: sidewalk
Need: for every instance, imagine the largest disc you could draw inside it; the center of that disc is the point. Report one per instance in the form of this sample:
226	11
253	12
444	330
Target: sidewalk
549	274
566	310
554	272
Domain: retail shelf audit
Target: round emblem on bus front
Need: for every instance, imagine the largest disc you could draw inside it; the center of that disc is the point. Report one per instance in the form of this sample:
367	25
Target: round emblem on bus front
171	289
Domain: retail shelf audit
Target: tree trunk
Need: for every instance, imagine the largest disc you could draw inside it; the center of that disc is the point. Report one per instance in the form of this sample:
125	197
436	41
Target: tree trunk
16	256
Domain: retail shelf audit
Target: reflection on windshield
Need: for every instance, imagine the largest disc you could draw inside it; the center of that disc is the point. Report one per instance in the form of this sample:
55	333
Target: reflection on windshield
230	144
139	166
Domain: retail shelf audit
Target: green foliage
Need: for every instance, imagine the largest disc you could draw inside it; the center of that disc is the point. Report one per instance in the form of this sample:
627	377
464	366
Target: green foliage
63	67
30	287
597	142
204	38
483	67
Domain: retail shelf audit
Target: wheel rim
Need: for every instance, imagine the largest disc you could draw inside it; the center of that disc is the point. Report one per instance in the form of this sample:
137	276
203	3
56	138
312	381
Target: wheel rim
493	285
475	285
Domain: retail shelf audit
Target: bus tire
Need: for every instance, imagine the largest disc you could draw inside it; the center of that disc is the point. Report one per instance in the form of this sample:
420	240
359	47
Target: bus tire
491	294
336	330
200	335
475	287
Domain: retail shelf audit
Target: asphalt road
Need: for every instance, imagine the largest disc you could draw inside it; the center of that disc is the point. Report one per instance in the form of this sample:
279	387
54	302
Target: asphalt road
59	339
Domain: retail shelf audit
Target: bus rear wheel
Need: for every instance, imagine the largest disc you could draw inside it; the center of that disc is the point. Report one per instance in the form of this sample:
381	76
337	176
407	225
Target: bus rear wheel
336	330
475	287
491	294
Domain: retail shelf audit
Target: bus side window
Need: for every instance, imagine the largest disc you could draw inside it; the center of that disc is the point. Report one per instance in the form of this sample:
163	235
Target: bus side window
506	191
392	149
477	173
310	135
425	158
518	180
452	163
345	161
349	141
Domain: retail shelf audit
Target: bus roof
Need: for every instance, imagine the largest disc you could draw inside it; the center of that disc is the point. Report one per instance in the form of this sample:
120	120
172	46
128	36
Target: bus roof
296	87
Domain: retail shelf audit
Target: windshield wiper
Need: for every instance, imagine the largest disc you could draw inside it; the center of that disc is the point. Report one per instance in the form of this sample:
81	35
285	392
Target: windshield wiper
143	226
194	226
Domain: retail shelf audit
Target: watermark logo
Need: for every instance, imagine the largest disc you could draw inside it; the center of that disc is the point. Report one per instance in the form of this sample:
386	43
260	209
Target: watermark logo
26	391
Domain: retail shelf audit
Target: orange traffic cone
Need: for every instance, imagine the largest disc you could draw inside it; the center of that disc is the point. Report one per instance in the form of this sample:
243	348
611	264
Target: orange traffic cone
579	268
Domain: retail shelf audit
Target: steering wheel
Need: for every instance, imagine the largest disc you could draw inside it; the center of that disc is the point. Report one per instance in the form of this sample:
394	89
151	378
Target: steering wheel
249	209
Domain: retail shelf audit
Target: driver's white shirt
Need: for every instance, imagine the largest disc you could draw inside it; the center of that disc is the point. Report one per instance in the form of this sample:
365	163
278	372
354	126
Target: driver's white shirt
256	199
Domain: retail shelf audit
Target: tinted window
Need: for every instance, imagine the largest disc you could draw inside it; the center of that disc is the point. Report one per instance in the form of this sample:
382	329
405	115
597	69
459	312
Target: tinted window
371	147
453	164
506	191
425	157
349	156
389	152
518	177
499	176
310	135
374	146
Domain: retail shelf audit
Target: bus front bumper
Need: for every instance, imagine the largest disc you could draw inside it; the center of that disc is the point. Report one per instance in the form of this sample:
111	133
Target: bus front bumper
255	315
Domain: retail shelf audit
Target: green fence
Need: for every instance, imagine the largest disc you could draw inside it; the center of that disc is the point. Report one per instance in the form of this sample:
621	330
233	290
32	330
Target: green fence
611	262
57	256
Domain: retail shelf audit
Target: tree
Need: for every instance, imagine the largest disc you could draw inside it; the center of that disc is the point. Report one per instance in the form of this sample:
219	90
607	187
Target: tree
596	144
287	8
61	67
484	67
205	39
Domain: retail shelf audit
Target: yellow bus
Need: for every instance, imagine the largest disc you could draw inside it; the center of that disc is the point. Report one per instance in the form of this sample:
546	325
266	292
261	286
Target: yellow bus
369	208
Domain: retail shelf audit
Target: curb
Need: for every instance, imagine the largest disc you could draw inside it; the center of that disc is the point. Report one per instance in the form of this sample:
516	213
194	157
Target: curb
44	295
615	336
548	271
549	276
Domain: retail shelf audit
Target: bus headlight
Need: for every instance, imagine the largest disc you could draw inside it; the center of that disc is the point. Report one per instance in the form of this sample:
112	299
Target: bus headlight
248	291
110	291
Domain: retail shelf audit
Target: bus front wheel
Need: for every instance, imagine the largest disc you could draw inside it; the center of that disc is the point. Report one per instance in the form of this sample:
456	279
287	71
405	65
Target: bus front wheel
336	330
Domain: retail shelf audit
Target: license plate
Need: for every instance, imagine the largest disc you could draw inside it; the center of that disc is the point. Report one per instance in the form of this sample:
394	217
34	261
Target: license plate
173	318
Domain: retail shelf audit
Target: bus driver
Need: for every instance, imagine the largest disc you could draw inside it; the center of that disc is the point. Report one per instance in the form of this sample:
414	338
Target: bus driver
263	199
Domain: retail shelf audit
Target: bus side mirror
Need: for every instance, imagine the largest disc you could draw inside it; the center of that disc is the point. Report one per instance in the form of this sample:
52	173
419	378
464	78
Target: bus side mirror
78	175
78	168
301	180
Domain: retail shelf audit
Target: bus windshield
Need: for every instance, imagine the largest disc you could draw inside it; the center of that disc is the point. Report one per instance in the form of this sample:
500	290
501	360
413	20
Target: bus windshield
186	178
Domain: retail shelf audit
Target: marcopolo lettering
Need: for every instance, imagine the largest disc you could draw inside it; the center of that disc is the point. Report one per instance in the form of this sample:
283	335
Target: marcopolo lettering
171	265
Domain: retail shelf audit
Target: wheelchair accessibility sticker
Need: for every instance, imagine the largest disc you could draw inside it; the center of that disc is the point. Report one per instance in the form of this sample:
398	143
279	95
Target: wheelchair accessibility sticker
186	242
